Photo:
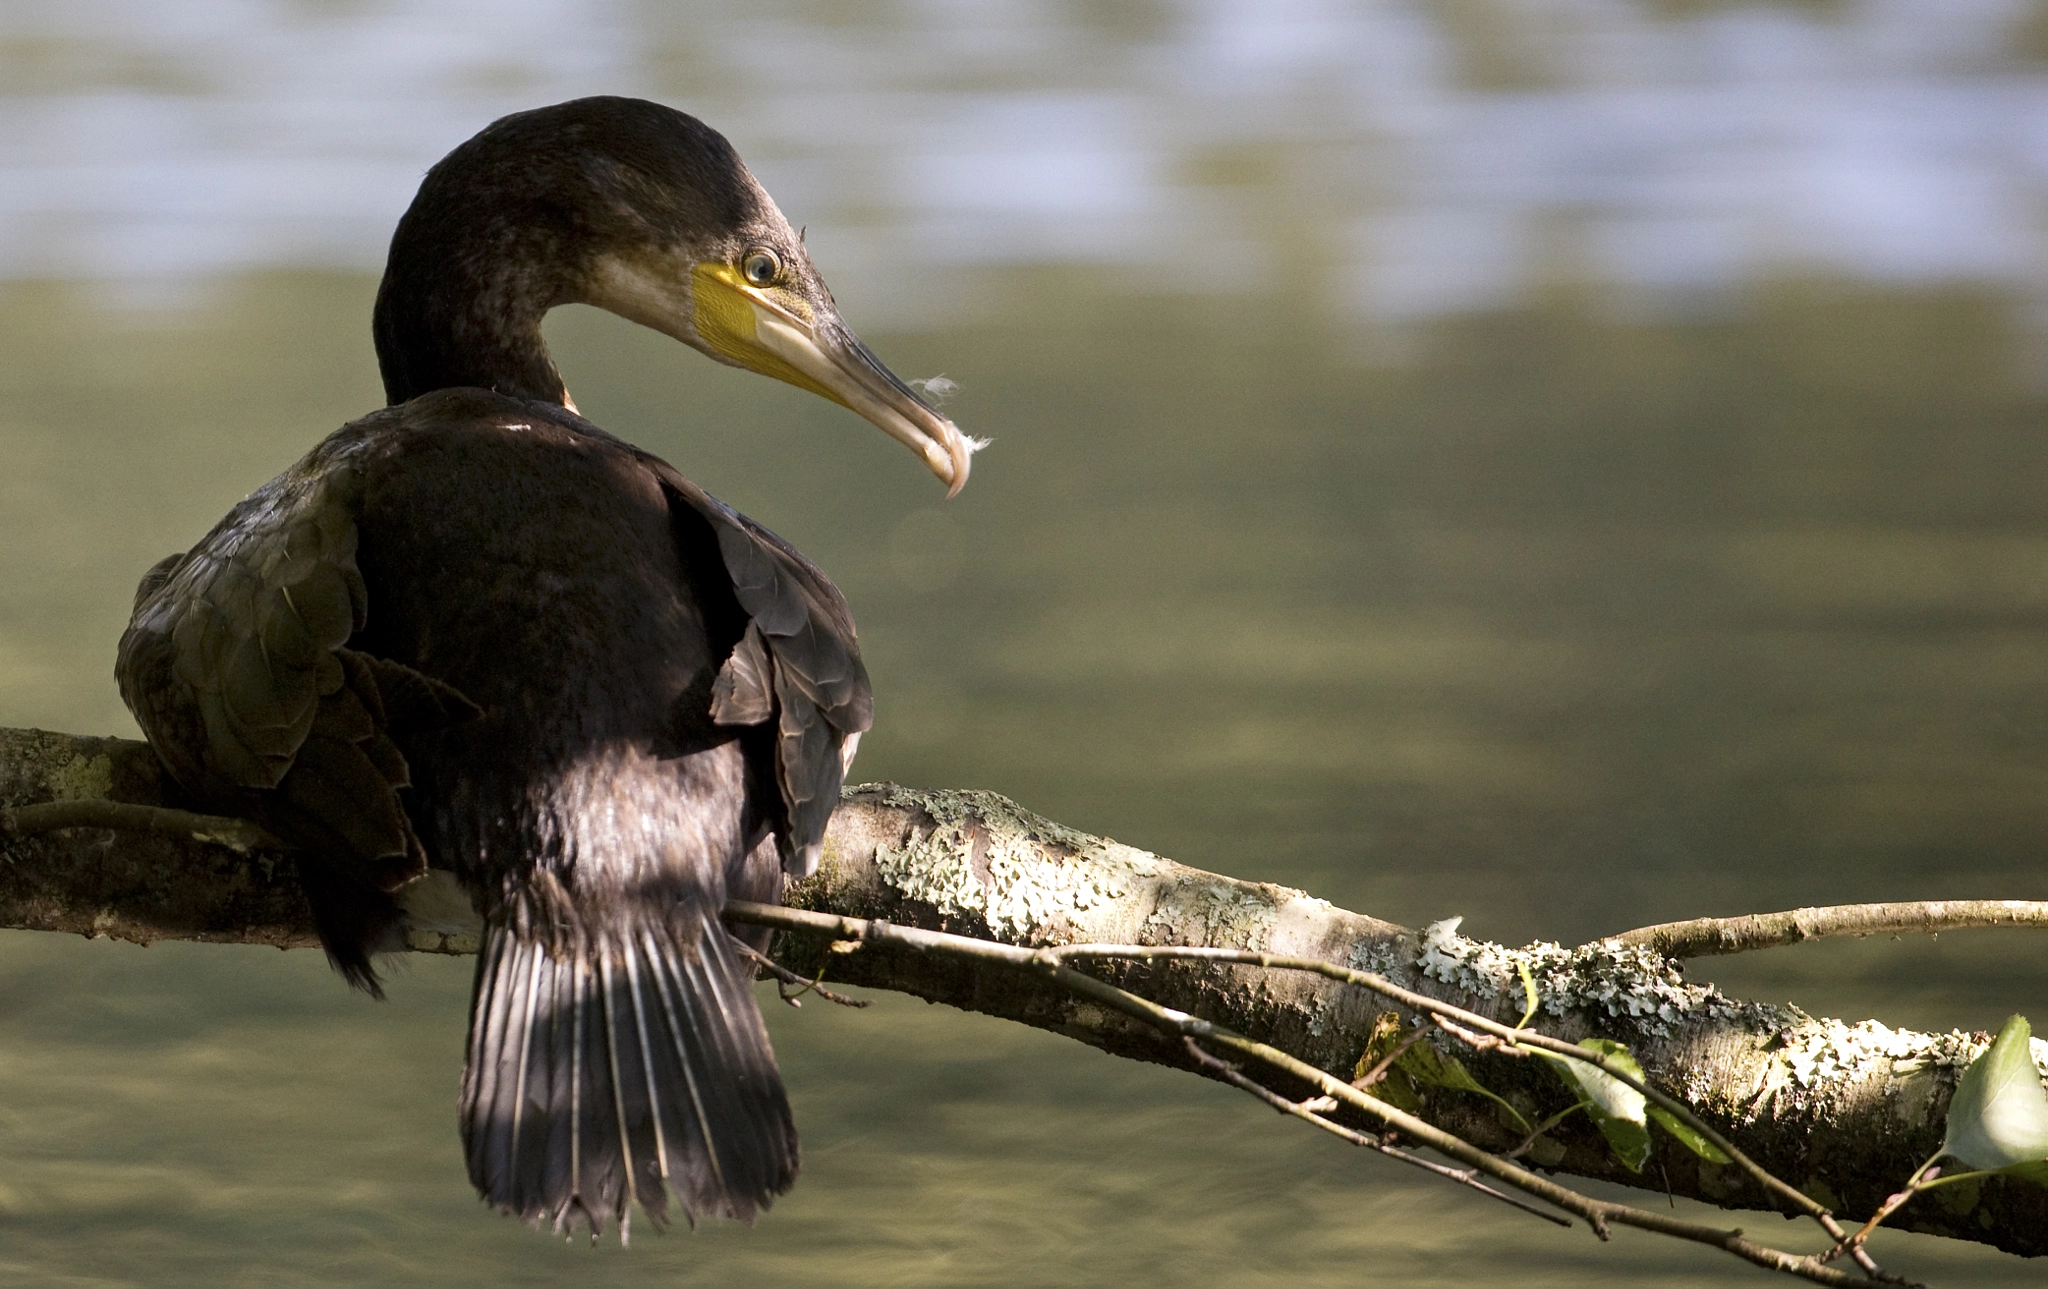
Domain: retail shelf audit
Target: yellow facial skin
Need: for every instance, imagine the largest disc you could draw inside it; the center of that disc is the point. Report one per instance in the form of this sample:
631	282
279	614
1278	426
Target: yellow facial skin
729	313
773	331
777	332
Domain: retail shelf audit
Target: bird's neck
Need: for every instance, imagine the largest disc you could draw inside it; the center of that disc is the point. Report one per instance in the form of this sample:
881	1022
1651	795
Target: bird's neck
464	316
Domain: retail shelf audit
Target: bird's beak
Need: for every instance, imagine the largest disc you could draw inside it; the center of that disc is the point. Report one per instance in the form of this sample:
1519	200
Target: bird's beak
775	333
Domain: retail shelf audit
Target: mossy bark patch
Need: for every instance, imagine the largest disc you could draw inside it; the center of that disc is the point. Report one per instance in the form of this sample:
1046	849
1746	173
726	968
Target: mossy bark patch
131	886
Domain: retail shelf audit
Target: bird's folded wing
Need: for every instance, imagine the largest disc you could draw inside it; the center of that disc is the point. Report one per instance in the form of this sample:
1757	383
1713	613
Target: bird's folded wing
820	688
232	646
235	668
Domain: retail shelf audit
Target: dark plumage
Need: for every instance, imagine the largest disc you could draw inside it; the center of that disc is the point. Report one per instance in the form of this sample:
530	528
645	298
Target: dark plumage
472	630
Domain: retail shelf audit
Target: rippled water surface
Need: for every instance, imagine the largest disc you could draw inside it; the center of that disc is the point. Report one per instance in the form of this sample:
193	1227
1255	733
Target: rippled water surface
1569	465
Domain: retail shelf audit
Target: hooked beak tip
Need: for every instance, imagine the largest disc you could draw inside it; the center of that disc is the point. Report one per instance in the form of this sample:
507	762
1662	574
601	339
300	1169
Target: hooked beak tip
951	456
827	359
962	460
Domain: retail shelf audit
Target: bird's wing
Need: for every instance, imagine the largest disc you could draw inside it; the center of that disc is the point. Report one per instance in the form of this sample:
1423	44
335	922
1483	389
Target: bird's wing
232	644
234	666
799	662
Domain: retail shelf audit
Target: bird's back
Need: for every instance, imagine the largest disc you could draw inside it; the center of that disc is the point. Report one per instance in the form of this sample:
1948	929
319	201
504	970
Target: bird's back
540	568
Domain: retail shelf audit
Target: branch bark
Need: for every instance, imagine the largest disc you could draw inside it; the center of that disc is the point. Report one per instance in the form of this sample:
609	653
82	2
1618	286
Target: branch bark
1843	1111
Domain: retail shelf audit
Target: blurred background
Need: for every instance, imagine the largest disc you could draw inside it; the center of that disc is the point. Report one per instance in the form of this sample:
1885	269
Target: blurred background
1569	463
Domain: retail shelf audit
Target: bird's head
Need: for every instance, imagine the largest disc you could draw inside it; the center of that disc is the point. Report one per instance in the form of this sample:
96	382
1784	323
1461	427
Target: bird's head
649	213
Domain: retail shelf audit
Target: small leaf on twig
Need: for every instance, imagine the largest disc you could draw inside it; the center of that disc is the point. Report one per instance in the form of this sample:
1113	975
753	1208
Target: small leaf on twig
1686	1135
1393	1086
1529	995
1387	1033
1617	1108
1998	1119
1416	1065
1624	1114
1432	1068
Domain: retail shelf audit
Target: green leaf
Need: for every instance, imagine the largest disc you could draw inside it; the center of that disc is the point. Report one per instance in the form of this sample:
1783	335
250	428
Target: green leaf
1387	1033
1394	1087
1688	1136
1998	1118
1396	1090
1433	1068
1421	1066
1621	1115
1528	994
2035	1171
1421	1062
1617	1108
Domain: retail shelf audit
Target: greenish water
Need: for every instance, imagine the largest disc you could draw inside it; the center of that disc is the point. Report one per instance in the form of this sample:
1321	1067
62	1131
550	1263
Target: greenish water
1564	624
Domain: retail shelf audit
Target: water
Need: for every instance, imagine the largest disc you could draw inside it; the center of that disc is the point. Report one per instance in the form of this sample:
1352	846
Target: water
1534	591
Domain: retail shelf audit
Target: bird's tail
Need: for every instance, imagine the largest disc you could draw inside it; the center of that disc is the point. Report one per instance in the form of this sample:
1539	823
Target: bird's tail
634	1065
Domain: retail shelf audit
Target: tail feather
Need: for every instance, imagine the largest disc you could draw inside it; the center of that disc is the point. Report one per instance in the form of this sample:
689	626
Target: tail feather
552	1094
656	1072
729	1151
634	1066
483	1080
512	1170
696	1138
733	1158
753	1081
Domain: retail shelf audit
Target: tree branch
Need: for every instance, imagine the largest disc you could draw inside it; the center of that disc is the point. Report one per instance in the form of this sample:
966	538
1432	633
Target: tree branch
1706	937
1844	1112
1051	963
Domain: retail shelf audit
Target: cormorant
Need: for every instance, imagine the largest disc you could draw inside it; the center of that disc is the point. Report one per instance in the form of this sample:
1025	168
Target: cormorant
475	631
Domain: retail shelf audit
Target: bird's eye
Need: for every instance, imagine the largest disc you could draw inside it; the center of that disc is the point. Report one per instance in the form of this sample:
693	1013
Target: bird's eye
761	266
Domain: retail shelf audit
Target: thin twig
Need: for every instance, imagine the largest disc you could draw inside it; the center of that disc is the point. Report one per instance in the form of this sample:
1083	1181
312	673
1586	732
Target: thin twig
1892	1204
48	816
1598	1213
1236	1078
1706	937
784	976
1546	1126
1437	1009
1478	1042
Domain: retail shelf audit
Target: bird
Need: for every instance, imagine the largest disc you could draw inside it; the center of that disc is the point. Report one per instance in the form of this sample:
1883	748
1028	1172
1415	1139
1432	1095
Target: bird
472	631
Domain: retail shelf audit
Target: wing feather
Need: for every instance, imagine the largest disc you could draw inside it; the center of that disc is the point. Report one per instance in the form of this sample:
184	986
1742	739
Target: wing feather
247	622
821	695
235	667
